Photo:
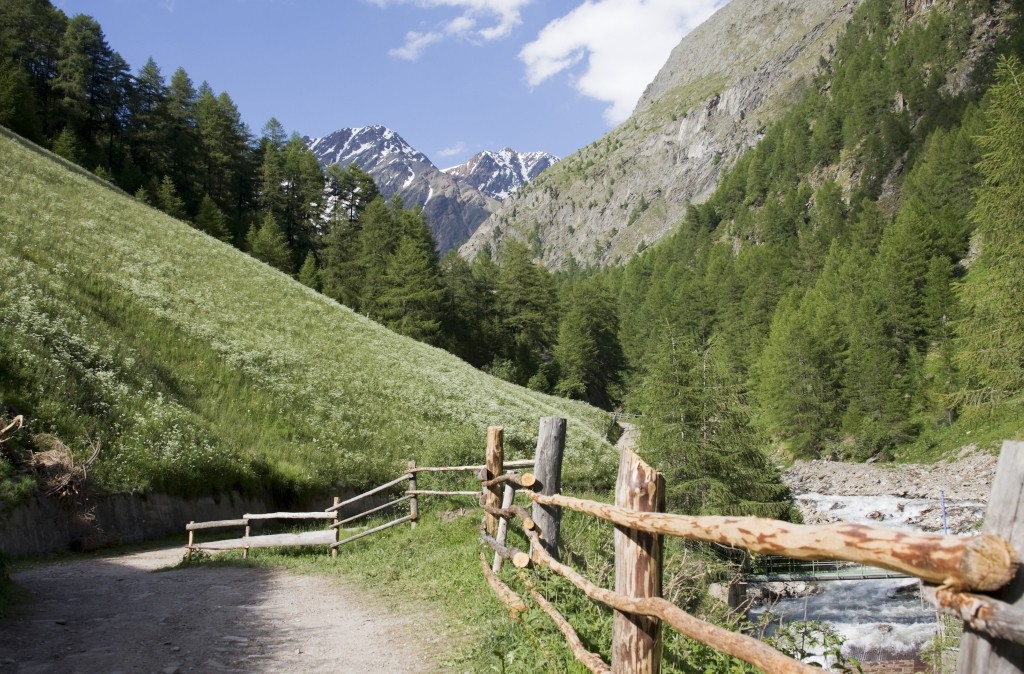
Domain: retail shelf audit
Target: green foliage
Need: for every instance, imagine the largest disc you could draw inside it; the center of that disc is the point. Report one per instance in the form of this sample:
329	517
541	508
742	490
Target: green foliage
588	353
210	219
527	308
991	333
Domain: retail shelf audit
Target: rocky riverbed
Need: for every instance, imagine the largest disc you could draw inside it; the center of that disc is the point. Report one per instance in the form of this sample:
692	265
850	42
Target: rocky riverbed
906	496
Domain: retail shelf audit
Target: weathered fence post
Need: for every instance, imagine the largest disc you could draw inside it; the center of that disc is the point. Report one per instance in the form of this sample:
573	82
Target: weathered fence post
506	502
337	528
980	652
636	640
495	466
547	469
188	552
414	506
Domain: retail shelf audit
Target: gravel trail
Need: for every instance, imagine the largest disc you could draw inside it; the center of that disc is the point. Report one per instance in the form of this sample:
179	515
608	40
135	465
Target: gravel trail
116	615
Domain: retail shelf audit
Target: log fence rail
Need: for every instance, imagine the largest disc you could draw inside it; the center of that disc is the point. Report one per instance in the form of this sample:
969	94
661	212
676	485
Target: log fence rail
962	571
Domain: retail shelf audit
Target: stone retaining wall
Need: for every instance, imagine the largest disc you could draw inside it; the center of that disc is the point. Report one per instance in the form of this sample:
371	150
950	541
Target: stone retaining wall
45	525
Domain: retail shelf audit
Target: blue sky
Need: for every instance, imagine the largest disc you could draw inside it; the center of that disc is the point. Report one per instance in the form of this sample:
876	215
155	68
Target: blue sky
453	77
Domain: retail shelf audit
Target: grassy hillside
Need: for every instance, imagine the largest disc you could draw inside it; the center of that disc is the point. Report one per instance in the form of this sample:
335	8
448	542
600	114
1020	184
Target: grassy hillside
200	369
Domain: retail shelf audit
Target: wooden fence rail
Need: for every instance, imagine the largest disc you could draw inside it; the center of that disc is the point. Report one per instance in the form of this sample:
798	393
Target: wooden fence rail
987	562
247	542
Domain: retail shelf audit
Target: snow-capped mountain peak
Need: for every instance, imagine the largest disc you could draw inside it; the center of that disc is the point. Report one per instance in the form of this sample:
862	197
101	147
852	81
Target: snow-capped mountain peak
454	206
499	174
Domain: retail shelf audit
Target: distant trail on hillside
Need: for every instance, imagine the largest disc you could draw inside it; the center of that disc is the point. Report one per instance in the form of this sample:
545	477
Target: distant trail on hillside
113	614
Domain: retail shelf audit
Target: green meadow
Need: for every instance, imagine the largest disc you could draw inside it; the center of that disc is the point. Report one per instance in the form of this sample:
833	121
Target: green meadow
201	370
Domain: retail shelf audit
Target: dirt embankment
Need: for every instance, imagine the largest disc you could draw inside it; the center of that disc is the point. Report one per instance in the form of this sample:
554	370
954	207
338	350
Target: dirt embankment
115	615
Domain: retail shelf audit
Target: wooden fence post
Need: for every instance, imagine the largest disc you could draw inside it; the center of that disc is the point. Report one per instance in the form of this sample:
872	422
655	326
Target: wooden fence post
495	466
337	529
636	640
547	469
414	506
506	502
980	652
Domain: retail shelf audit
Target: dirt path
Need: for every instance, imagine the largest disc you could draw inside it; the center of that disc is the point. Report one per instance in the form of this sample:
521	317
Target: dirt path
114	615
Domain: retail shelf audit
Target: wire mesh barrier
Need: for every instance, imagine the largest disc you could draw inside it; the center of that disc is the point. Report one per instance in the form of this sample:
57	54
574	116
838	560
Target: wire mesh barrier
772	568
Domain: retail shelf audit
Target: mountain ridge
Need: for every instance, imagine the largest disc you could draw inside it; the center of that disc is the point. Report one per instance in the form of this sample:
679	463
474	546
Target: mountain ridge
616	196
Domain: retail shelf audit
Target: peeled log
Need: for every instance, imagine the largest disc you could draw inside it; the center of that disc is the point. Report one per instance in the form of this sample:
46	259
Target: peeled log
984	562
983	613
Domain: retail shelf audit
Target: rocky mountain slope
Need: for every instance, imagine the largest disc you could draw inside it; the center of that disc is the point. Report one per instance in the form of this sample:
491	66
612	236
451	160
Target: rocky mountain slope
711	101
454	209
500	174
456	200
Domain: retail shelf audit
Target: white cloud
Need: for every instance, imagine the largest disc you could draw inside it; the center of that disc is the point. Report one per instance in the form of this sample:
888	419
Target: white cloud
501	16
414	45
624	44
457	149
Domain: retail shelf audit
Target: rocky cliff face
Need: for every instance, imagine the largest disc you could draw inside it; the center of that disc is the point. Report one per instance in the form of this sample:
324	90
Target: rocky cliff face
711	101
453	208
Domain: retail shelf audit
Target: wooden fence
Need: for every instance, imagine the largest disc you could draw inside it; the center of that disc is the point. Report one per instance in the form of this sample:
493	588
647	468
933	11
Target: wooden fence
331	536
973	577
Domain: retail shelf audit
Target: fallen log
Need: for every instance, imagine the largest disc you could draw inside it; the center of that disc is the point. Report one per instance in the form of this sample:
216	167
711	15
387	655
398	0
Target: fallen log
983	562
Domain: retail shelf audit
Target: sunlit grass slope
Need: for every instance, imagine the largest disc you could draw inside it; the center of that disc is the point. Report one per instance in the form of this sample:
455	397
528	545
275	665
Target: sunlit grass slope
201	369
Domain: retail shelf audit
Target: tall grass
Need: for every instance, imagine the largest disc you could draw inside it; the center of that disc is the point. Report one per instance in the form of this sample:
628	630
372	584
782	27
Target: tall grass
200	369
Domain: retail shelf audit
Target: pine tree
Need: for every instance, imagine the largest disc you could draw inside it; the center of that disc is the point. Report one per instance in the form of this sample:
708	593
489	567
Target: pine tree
588	353
267	243
309	273
527	303
68	146
410	301
352	190
695	429
168	201
18	109
211	220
